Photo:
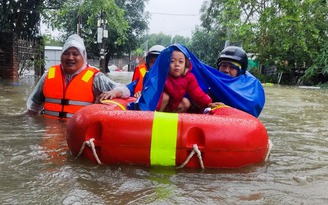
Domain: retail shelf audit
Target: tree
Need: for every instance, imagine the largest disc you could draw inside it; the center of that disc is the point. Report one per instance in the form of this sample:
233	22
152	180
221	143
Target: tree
147	41
21	17
318	71
206	45
158	39
180	40
286	33
124	20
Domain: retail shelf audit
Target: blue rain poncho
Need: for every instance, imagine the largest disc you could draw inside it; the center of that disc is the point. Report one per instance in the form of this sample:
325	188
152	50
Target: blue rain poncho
243	92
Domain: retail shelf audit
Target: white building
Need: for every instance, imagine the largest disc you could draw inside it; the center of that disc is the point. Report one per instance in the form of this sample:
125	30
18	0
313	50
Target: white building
52	56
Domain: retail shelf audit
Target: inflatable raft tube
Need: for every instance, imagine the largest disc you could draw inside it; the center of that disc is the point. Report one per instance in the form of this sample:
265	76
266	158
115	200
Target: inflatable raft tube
109	134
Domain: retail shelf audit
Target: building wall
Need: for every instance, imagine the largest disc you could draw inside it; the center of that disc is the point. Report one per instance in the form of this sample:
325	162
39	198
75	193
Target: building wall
8	56
19	54
52	56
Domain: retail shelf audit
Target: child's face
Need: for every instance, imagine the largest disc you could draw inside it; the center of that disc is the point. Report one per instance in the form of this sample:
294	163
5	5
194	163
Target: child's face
178	64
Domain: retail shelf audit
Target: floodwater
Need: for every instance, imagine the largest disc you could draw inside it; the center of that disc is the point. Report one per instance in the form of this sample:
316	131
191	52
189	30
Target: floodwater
36	167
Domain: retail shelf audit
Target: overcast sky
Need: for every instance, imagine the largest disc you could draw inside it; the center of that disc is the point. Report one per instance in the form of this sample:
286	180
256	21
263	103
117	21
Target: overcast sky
173	17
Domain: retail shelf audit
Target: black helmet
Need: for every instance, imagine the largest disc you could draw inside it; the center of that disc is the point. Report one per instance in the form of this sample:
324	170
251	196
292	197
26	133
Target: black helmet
236	54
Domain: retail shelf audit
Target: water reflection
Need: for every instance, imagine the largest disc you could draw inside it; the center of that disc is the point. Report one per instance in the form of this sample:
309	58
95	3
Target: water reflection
36	167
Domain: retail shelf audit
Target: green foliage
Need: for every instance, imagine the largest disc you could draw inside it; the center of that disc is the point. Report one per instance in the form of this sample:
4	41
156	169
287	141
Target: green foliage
285	33
124	20
139	52
263	78
148	41
159	39
206	45
32	59
323	85
290	34
52	41
319	67
180	40
87	13
21	17
25	65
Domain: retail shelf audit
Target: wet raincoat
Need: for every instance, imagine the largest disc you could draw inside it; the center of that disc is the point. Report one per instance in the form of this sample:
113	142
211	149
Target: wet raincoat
178	87
244	92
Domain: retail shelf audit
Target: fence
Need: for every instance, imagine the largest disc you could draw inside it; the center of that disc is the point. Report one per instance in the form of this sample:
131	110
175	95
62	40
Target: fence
19	55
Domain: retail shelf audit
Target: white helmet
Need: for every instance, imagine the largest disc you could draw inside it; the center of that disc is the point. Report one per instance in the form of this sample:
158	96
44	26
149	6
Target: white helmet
155	50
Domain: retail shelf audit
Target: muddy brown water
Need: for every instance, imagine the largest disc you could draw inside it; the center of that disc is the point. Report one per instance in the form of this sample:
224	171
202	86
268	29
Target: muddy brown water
36	167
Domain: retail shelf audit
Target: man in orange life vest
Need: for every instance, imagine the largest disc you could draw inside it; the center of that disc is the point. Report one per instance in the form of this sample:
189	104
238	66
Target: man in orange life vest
73	84
140	71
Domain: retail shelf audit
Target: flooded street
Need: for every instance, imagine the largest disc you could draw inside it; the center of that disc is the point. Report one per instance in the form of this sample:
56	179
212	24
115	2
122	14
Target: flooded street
36	167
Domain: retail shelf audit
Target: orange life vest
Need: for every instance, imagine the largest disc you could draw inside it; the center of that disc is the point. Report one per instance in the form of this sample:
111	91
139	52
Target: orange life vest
63	100
139	72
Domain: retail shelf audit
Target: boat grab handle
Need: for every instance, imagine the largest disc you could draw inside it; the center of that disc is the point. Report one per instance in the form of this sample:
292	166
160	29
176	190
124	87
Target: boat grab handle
93	148
199	155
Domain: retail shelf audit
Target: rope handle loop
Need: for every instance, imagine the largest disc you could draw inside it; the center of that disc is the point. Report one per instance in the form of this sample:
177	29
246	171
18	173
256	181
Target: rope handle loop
269	150
199	155
93	148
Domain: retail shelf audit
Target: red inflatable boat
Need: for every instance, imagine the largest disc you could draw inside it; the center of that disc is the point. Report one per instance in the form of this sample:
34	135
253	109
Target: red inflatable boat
109	134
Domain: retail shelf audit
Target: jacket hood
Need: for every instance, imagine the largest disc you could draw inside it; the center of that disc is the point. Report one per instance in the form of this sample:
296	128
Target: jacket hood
77	42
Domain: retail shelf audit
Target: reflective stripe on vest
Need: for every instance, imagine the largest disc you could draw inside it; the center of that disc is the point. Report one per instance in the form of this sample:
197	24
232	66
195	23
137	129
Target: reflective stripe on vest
143	72
58	114
142	69
164	139
77	94
67	102
86	77
51	72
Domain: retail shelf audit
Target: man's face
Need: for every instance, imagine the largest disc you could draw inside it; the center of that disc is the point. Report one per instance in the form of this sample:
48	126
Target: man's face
152	60
228	68
71	60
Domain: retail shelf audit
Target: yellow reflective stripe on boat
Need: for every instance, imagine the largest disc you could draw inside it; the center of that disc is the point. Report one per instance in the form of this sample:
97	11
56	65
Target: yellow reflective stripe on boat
86	77
51	72
114	102
164	139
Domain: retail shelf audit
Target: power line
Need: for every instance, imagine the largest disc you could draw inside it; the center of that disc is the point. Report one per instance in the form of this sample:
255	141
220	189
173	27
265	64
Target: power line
170	14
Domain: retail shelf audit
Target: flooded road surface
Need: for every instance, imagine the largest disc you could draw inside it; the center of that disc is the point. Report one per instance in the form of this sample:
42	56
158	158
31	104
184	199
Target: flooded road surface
36	167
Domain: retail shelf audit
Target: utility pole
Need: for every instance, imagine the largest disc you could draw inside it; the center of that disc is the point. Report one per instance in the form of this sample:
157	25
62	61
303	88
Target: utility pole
102	33
227	42
79	23
79	26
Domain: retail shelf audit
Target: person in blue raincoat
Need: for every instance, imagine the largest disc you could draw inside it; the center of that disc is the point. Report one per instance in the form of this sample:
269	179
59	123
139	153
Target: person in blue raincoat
232	61
247	91
243	92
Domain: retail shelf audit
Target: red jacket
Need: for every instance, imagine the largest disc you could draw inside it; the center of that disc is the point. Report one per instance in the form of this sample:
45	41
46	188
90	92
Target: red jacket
177	88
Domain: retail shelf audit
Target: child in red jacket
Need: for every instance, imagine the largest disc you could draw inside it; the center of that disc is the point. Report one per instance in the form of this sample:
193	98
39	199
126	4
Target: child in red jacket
180	81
